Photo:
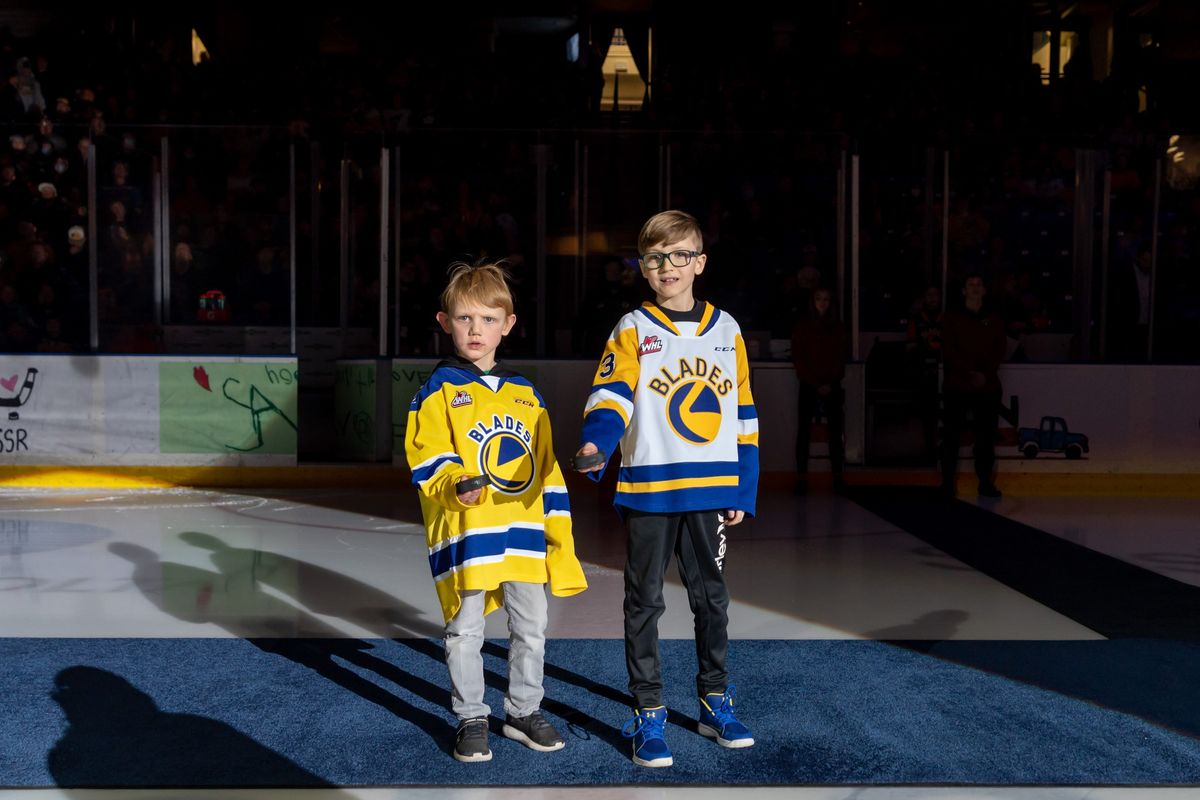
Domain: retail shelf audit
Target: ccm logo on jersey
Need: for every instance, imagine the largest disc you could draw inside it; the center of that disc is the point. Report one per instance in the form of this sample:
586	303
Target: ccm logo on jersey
461	398
724	349
651	344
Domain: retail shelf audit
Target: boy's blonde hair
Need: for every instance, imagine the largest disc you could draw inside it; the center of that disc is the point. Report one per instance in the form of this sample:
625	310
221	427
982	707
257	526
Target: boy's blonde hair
668	226
483	284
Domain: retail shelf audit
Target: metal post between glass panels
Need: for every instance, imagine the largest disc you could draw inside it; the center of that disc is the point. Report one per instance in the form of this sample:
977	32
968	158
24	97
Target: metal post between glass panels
854	200
163	284
344	232
292	243
159	257
945	227
314	229
1105	227
93	255
540	155
840	247
1154	258
396	192
384	230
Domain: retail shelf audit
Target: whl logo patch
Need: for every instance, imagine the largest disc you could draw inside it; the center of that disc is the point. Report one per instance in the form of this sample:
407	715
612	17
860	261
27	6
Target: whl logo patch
461	398
651	344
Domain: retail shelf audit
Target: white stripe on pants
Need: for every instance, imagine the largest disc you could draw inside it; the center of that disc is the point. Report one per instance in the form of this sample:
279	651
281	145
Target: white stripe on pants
526	607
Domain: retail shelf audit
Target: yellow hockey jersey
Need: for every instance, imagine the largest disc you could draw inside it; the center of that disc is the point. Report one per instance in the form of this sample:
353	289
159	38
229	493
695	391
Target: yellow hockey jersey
463	423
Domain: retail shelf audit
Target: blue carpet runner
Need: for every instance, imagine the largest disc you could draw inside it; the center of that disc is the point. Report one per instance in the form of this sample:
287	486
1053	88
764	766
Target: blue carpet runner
330	712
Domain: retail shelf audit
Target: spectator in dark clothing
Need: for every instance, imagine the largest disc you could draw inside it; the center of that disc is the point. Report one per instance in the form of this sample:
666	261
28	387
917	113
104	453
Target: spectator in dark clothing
16	326
132	290
819	356
46	306
1130	327
973	345
75	261
923	341
41	270
12	193
122	190
187	284
264	295
48	212
53	339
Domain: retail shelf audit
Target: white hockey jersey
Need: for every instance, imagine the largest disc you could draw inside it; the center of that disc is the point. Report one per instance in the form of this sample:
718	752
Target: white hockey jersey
676	396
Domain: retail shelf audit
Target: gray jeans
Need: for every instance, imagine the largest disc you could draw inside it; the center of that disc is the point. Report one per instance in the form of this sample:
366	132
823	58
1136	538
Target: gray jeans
526	607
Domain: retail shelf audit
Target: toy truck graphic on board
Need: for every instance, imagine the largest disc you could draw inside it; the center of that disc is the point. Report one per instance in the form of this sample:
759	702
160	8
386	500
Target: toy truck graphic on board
1051	437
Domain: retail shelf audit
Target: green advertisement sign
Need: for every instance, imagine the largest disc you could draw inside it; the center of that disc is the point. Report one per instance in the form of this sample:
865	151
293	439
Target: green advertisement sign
407	377
354	396
228	407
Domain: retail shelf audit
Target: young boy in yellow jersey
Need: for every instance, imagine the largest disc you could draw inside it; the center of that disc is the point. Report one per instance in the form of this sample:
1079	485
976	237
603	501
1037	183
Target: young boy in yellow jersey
497	518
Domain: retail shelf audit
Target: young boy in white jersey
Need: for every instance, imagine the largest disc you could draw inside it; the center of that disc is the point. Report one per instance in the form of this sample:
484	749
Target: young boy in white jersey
497	519
673	389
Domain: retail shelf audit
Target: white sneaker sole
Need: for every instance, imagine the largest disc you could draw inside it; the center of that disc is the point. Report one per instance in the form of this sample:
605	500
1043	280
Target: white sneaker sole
654	762
473	757
517	736
713	733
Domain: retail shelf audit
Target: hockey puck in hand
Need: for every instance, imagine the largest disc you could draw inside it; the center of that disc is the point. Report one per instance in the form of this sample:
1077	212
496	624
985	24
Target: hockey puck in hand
471	484
595	459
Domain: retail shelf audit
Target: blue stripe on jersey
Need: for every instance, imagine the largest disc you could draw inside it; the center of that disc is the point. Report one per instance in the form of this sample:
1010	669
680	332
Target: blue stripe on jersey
521	380
747	412
619	388
657	321
603	427
426	472
711	323
682	469
436	380
555	501
482	545
747	478
678	501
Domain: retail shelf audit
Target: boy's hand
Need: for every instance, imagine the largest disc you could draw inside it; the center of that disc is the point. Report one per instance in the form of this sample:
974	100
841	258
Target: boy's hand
733	517
469	493
582	462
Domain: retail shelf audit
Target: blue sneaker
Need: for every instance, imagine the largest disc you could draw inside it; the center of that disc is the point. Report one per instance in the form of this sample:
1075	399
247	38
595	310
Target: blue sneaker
718	722
649	746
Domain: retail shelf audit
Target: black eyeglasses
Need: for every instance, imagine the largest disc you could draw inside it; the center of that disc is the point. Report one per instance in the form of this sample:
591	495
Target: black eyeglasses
678	258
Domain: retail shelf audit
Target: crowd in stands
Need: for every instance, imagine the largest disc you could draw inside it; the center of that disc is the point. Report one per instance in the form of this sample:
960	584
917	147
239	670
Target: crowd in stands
756	146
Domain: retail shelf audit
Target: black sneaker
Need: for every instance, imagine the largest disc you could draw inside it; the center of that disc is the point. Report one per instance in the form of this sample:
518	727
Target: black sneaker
472	740
989	489
534	731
